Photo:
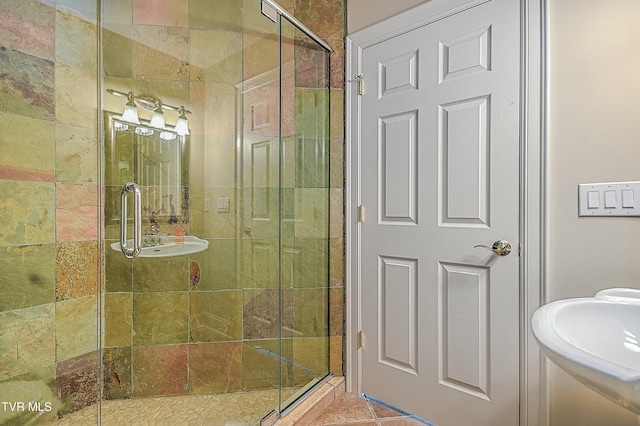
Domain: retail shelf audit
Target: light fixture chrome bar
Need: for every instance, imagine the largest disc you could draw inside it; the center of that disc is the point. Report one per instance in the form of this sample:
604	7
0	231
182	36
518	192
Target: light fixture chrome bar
298	24
148	101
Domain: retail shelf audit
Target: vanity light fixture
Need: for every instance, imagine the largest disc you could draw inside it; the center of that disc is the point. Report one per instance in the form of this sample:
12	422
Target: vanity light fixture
167	136
130	115
144	131
157	120
182	125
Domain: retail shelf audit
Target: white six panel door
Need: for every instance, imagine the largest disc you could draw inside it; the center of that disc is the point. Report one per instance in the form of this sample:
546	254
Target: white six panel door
440	174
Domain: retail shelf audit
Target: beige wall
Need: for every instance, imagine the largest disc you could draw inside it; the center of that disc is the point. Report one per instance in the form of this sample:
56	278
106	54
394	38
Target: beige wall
595	110
362	13
595	124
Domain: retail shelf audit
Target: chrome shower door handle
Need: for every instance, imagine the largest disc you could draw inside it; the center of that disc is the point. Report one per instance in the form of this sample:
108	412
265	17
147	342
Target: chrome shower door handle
131	252
500	247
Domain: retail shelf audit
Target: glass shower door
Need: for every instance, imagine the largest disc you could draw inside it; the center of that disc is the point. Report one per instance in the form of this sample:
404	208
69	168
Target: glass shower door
305	210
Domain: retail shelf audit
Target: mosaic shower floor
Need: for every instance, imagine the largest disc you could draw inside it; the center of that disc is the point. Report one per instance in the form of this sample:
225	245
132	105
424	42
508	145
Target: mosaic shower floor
236	409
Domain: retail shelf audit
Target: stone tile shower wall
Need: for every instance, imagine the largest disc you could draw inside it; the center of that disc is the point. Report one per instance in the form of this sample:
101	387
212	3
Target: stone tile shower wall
204	321
156	313
49	249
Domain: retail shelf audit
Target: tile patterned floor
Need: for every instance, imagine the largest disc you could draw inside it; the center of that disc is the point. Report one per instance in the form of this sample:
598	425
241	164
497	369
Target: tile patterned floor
239	409
233	409
352	410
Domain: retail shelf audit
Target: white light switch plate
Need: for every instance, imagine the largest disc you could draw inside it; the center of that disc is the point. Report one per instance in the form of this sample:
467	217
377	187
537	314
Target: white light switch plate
222	205
609	199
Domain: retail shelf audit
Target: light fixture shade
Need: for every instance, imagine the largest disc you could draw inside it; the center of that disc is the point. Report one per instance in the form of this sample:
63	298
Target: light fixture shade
182	125
143	131
157	120
167	136
130	114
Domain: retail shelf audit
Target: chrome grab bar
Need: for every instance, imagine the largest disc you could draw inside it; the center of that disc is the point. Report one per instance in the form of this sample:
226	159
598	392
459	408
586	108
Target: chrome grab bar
131	252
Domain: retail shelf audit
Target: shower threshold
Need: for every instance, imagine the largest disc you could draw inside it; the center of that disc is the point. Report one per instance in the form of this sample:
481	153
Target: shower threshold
227	409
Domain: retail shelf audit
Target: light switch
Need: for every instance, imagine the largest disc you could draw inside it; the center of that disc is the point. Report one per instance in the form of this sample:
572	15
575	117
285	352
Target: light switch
593	199
610	200
223	205
627	199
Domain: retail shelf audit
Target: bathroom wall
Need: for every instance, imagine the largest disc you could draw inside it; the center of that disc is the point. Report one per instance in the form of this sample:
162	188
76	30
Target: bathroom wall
594	106
363	13
595	102
51	224
49	231
169	317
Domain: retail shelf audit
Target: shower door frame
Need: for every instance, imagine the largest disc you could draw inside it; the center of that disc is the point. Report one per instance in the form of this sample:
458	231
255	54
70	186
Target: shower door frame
265	79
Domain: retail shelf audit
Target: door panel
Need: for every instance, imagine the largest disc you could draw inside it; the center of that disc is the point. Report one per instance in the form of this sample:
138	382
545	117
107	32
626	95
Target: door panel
440	175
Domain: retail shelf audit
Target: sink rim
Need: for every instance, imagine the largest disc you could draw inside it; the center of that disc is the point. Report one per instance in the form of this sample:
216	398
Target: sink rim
192	244
619	294
554	341
619	383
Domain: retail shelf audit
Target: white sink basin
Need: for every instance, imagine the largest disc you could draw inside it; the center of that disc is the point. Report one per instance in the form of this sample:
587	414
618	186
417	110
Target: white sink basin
171	246
597	341
625	295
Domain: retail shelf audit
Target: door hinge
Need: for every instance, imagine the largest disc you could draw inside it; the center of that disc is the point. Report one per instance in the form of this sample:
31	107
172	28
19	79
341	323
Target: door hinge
360	213
360	79
360	339
519	249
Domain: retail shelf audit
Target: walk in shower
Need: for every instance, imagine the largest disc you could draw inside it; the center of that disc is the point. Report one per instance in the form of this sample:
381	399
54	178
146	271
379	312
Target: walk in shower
165	190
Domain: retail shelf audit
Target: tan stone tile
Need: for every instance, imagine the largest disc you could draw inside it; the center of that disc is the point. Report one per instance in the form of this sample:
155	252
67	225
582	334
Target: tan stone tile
220	224
337	114
26	155
215	316
160	274
118	319
336	262
76	154
28	276
218	266
325	18
382	411
27	342
76	41
172	92
336	158
349	408
76	98
160	318
260	54
337	63
336	206
216	56
117	50
76	212
223	14
28	213
117	12
76	322
160	53
310	359
336	355
215	367
160	12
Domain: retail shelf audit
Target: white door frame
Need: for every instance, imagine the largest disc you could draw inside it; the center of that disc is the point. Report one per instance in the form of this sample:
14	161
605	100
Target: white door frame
533	186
